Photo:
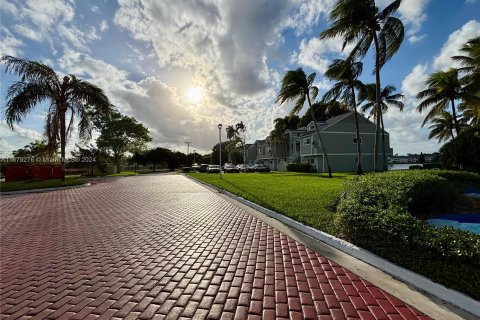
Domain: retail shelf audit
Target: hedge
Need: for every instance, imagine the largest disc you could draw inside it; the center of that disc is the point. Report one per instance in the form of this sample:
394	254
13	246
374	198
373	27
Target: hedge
299	167
379	213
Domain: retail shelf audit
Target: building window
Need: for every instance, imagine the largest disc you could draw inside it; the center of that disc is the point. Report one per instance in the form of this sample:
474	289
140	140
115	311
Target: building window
312	160
355	140
307	141
312	127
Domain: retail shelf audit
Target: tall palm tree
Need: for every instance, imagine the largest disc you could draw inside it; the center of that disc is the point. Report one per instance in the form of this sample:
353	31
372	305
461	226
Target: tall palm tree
346	73
470	108
367	94
297	86
68	97
444	87
361	22
470	62
442	127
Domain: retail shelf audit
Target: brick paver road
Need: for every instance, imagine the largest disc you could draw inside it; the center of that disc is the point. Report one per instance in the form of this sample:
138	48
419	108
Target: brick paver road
162	246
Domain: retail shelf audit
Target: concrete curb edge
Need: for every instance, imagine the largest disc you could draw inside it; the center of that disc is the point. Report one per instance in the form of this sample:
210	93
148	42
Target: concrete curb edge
418	281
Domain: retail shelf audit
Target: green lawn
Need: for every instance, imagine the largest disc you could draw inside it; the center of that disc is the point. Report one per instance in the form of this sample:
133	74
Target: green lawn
123	174
308	198
52	183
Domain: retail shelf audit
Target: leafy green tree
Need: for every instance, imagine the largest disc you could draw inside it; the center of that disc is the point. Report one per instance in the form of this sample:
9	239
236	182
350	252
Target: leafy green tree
69	98
464	150
87	157
297	86
122	134
362	23
444	88
346	73
37	148
367	95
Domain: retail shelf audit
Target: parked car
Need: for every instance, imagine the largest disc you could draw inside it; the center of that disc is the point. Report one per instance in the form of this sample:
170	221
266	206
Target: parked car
195	167
230	168
242	168
203	167
213	168
260	168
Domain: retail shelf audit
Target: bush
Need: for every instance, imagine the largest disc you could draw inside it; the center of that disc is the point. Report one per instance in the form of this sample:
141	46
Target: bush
299	167
377	212
464	150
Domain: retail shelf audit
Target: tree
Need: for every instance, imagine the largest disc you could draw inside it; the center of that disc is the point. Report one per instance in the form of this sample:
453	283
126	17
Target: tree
362	23
69	97
297	86
444	87
442	127
346	73
388	98
464	150
122	134
87	157
278	134
231	132
470	62
38	148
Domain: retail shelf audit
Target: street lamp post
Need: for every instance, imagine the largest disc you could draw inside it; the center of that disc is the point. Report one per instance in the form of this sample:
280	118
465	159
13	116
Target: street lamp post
194	155
220	147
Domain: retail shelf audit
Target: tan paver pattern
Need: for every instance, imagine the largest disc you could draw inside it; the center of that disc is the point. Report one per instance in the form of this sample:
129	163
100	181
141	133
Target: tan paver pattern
163	247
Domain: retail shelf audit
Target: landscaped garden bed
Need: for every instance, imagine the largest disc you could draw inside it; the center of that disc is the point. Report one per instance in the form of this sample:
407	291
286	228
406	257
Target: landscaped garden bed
51	183
382	212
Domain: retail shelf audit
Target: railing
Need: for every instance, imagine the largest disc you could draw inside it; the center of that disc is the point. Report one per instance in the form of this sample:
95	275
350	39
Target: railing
293	157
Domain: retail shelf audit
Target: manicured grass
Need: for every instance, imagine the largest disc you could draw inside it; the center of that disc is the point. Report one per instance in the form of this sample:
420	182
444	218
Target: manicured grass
308	198
28	185
123	174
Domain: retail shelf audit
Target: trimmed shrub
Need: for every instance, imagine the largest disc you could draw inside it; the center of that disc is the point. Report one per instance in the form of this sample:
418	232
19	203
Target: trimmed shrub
378	212
299	167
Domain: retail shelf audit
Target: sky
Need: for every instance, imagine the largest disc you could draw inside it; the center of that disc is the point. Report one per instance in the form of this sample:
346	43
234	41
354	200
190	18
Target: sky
183	67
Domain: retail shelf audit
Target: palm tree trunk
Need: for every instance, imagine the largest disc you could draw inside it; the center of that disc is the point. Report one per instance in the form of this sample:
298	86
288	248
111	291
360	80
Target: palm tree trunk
359	151
378	102
63	141
454	113
319	136
383	143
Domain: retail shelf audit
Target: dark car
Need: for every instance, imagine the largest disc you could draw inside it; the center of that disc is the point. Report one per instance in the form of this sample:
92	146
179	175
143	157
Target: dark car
203	167
230	168
260	168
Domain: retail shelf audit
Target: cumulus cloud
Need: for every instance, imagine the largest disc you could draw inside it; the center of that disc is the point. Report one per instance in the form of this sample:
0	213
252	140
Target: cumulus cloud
455	41
9	44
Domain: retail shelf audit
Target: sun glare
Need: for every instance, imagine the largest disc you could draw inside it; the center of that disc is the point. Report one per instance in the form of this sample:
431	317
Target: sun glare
195	95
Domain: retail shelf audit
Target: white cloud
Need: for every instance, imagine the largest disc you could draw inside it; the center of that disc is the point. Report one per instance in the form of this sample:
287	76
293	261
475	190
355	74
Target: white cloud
103	25
9	44
414	82
308	14
455	41
317	53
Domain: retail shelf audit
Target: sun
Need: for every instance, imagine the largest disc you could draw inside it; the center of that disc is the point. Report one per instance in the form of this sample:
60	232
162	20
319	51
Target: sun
195	95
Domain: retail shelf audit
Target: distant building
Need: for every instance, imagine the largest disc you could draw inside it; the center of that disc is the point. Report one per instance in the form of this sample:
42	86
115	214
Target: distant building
339	137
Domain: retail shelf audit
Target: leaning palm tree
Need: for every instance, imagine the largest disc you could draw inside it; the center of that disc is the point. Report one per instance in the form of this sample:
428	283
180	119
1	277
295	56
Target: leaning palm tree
346	73
470	108
68	97
231	132
444	87
367	94
442	127
297	86
361	22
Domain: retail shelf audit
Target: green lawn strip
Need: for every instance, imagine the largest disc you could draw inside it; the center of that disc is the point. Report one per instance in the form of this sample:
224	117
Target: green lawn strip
30	185
307	198
123	174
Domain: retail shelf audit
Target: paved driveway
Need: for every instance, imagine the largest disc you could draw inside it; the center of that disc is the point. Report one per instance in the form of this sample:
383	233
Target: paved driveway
156	247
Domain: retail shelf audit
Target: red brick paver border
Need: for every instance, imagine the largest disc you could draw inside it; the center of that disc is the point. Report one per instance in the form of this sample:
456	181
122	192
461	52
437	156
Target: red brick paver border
163	247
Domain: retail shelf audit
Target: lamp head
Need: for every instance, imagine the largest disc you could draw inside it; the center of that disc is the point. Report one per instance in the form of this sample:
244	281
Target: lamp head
219	126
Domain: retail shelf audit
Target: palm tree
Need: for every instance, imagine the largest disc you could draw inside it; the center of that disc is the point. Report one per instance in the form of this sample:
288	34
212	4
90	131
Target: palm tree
442	127
471	64
367	93
231	132
68	97
361	22
470	108
297	86
444	87
346	73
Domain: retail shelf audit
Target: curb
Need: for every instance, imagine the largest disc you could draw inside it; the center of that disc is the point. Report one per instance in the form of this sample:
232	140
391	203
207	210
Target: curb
41	190
418	281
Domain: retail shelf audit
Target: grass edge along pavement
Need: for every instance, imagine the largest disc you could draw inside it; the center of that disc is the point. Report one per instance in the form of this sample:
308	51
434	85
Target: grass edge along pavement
44	184
401	238
307	198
